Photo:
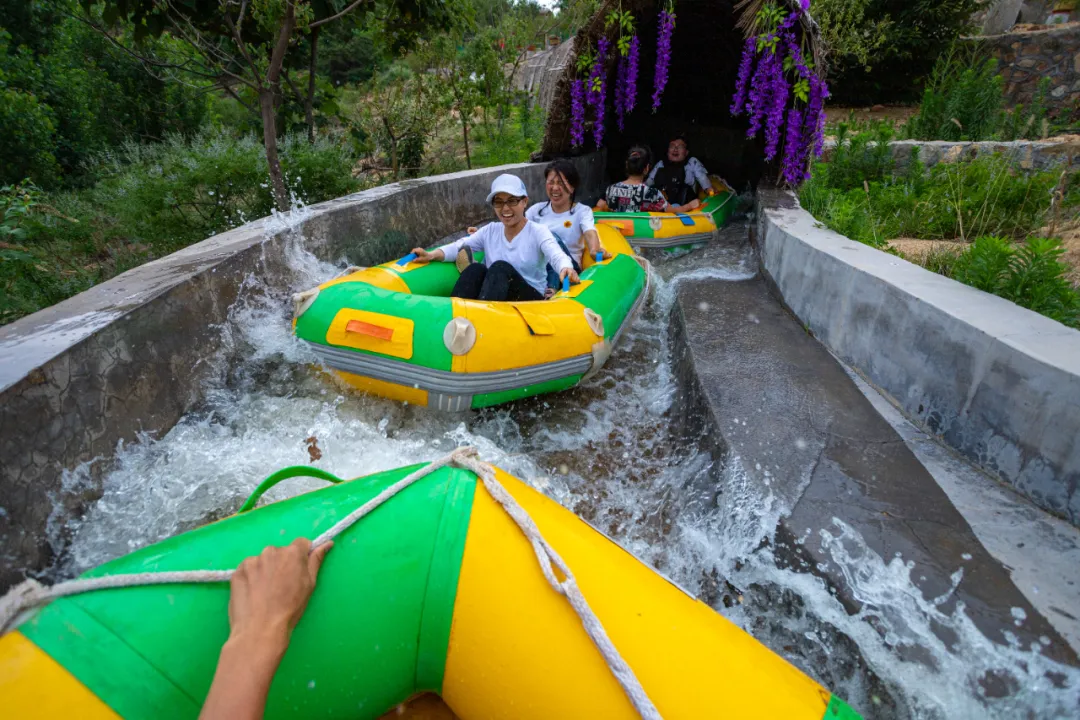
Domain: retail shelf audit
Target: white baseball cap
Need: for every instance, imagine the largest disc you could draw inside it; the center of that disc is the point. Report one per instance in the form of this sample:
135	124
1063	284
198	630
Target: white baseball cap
509	184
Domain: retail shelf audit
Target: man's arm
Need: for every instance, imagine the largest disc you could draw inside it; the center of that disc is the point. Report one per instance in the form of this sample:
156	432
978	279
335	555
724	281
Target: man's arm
269	593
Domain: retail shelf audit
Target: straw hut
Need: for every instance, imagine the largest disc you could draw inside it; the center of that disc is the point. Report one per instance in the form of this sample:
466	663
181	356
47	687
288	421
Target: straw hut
707	45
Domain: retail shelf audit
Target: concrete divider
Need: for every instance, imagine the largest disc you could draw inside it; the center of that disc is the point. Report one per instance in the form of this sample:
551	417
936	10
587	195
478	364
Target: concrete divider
997	382
133	354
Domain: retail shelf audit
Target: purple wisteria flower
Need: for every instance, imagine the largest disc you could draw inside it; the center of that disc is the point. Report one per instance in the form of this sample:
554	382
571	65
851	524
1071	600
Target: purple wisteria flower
633	59
814	124
795	159
663	56
620	93
774	114
577	112
743	83
597	90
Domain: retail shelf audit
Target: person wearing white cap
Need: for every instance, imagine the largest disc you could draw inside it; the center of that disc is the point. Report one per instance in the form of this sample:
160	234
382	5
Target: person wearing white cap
516	251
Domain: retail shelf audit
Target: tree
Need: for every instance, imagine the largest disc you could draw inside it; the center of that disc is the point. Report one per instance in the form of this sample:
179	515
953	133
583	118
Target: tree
402	114
244	44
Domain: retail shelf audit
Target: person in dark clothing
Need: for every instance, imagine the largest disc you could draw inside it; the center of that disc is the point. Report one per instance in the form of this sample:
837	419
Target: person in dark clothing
680	175
633	195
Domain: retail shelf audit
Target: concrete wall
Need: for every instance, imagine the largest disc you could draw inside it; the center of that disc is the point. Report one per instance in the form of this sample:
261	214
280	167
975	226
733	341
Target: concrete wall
1024	58
998	383
132	354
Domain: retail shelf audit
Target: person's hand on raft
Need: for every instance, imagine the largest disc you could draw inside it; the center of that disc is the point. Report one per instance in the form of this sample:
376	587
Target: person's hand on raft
268	595
569	273
423	256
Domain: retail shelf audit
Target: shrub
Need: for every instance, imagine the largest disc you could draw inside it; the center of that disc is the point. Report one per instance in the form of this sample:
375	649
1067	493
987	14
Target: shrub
1029	275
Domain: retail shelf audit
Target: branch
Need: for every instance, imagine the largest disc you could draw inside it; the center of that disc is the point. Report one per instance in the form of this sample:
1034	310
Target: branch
292	86
242	46
232	93
332	18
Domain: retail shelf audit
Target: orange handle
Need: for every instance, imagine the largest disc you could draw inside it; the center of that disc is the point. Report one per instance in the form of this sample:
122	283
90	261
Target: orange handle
375	331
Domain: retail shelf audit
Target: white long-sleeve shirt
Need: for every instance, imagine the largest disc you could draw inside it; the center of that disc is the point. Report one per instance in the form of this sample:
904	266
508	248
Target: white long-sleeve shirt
567	226
529	252
694	171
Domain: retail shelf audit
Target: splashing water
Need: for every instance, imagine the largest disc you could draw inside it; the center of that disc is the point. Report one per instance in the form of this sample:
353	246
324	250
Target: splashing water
603	450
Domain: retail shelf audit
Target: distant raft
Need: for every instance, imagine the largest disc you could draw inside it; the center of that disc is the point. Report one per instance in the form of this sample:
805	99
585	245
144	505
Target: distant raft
394	330
436	591
675	230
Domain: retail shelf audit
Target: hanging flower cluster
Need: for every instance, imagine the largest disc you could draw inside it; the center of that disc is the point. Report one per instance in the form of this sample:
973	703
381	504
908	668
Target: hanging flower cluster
626	74
577	112
663	53
596	92
776	83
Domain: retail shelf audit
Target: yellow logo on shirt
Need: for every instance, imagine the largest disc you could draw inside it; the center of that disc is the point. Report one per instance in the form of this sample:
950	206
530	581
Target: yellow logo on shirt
567	223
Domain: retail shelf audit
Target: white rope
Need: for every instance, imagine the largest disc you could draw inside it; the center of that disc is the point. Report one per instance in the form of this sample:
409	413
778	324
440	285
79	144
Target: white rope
30	594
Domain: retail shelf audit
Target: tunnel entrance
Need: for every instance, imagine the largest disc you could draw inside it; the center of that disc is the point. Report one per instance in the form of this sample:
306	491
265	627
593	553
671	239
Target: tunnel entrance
706	49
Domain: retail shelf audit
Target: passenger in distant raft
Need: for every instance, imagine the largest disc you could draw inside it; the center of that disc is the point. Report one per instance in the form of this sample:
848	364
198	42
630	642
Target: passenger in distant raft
677	176
570	222
633	195
517	251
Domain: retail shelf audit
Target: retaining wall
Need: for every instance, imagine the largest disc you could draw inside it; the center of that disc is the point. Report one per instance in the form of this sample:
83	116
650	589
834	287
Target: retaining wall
1025	154
997	382
1024	58
133	354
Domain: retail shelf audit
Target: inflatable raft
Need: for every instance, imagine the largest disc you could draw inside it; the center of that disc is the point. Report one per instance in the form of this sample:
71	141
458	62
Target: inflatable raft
675	230
436	590
394	330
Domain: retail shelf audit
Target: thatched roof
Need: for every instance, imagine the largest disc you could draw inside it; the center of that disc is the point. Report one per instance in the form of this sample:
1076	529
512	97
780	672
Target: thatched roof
557	131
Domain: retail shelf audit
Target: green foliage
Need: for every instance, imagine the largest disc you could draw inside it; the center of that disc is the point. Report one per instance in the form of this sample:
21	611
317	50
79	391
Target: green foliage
515	142
67	92
859	194
907	37
1030	275
151	200
964	100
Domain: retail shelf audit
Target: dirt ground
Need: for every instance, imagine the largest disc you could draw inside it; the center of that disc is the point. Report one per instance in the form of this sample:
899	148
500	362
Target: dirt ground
896	113
1070	238
916	250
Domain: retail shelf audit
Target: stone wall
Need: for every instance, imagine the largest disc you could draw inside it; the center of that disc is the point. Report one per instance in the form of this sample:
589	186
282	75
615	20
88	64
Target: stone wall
1024	154
1027	57
132	355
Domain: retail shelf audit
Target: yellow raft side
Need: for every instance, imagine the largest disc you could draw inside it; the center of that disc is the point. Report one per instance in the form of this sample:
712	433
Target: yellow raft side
34	685
518	650
380	277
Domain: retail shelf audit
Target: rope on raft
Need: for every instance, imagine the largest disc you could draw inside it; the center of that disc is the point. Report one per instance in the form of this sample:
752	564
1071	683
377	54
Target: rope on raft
30	594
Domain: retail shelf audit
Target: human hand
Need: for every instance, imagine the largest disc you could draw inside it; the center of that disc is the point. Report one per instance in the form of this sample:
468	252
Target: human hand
269	593
569	273
601	205
423	256
471	230
693	204
605	253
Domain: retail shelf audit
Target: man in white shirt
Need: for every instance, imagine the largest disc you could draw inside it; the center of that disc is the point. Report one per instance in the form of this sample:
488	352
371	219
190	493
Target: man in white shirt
516	251
676	177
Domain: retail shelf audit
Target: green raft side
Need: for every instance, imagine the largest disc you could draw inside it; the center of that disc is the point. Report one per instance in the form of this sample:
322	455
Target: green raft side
376	630
435	278
719	206
616	287
840	710
550	386
429	315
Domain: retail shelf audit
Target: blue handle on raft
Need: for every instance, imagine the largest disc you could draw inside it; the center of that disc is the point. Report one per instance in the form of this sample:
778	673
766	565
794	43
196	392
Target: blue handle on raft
599	257
407	259
566	284
686	219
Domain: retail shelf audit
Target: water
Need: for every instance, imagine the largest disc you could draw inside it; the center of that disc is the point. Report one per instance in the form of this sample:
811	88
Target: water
602	450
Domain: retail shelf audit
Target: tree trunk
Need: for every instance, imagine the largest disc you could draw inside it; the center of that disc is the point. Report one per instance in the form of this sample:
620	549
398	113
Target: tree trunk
269	118
309	109
465	131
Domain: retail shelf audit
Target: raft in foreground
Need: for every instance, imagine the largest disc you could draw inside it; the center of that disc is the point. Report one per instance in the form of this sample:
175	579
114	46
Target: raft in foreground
436	591
667	230
394	330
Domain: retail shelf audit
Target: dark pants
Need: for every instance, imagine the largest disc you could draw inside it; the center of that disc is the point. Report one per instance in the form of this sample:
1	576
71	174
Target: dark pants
498	282
553	277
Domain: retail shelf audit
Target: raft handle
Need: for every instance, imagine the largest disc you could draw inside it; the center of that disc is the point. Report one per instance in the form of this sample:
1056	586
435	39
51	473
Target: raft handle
285	474
599	257
406	260
686	219
566	284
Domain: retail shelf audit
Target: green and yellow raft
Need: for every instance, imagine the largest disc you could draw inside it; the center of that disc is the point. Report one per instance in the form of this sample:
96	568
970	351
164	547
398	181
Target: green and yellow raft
675	230
436	591
394	330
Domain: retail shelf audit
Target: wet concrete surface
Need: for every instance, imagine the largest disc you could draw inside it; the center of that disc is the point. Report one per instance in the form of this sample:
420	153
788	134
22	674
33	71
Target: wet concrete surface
759	388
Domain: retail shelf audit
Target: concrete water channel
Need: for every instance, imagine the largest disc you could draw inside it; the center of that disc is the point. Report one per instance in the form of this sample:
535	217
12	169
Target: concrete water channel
723	443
